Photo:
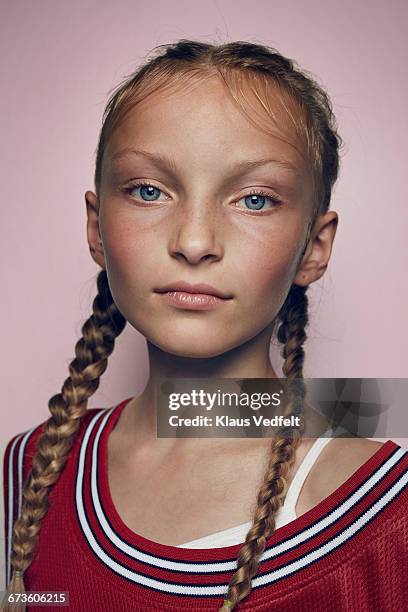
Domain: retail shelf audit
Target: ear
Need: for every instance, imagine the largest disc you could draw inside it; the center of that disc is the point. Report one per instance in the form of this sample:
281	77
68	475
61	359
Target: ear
92	229
318	251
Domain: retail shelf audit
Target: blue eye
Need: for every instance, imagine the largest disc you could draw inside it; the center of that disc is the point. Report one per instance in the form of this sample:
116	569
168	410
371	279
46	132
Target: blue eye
256	200
148	193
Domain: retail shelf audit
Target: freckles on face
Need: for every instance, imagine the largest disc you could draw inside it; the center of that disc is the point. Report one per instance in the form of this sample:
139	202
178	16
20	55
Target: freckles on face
202	219
133	252
264	262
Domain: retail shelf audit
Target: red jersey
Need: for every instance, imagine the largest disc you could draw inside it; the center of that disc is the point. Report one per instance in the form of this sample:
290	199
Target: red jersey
348	553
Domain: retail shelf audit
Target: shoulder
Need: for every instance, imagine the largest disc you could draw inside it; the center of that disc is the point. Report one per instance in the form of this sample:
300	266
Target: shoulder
352	452
22	447
346	455
17	462
19	453
339	461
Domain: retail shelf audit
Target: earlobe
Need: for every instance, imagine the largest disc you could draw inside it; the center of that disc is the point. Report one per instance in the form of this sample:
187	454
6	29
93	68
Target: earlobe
93	233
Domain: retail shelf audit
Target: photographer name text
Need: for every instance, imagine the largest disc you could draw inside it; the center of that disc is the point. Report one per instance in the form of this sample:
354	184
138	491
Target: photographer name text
226	421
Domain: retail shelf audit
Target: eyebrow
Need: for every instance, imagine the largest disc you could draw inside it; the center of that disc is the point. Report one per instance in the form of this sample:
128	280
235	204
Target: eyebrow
163	161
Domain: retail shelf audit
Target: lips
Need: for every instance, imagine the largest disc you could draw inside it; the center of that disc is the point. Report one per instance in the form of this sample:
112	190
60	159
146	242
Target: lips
202	288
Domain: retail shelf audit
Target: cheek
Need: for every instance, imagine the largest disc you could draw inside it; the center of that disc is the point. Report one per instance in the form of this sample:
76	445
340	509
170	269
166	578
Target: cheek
131	261
265	271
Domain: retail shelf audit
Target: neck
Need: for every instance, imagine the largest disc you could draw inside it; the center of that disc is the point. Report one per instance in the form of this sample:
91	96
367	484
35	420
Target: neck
248	360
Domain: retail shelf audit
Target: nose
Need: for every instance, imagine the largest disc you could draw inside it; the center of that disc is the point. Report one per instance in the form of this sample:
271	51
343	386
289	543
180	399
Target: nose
196	235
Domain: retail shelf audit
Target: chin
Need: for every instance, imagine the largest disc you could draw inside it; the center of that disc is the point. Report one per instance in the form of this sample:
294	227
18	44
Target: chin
192	341
193	350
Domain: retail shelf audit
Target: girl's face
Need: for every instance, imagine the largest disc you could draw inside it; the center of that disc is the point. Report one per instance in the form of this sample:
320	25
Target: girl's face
209	217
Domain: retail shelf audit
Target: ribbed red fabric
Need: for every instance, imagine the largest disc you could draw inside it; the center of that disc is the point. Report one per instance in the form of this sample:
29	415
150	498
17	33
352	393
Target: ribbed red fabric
347	554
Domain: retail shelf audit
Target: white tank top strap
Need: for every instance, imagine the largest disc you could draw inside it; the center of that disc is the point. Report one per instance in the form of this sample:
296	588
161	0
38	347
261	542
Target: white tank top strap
292	495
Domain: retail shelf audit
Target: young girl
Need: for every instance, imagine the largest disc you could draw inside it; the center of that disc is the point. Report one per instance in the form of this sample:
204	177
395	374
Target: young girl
209	221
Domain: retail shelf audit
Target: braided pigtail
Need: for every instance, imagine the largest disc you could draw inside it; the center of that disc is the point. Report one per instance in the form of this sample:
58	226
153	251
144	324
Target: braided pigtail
67	408
270	498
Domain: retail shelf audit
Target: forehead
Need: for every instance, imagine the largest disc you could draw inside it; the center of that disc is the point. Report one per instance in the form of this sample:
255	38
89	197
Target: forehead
202	119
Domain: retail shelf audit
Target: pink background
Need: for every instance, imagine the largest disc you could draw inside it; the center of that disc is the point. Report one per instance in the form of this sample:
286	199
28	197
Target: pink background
58	62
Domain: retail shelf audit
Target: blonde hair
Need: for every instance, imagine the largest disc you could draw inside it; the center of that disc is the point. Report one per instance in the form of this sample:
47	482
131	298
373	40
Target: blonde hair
309	110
